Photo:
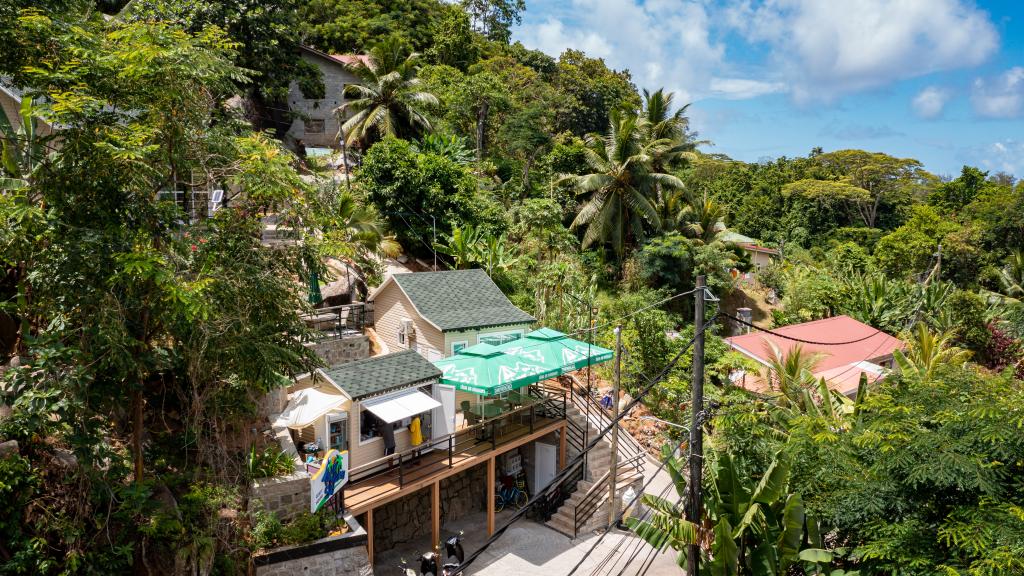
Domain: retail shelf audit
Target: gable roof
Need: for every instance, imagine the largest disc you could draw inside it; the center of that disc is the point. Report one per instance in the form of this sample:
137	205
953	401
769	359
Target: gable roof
871	344
343	60
458	299
381	374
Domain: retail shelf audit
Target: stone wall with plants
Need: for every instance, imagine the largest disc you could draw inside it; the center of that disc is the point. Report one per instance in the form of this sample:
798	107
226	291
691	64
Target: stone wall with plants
342	554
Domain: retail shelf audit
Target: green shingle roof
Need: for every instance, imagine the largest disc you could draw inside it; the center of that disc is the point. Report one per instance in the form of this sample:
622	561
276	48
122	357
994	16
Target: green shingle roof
460	299
380	374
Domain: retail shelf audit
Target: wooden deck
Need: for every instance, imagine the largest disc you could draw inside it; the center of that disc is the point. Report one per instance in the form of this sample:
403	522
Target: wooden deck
432	466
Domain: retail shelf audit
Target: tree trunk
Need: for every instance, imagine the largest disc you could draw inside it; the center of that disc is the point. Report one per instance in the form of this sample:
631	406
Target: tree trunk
481	122
137	402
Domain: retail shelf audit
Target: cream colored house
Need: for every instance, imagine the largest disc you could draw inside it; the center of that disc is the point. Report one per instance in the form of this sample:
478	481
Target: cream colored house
439	313
760	256
361	406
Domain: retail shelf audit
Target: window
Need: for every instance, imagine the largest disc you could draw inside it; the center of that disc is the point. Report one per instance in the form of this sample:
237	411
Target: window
496	338
370	426
314	125
459	346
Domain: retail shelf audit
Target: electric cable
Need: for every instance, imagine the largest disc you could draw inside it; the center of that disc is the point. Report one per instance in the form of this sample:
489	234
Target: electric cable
579	458
801	340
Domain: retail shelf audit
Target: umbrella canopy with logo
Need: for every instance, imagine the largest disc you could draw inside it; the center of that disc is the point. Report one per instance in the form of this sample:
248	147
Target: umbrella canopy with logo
485	370
556	351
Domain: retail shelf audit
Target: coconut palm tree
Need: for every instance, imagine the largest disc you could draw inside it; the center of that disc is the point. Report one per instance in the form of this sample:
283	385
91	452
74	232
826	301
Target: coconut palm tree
792	373
927	352
702	218
388	100
620	185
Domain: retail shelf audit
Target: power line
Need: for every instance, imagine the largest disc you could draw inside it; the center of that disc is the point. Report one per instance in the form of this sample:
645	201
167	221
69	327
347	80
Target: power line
579	458
801	340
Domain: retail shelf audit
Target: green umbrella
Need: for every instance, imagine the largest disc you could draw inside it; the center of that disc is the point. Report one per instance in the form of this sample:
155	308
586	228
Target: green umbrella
556	351
314	288
485	370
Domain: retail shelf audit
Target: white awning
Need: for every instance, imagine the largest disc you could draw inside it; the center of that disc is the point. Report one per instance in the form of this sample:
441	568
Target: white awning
309	404
405	404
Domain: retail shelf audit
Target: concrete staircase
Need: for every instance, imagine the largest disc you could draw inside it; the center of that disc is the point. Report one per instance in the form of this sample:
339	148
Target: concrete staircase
595	482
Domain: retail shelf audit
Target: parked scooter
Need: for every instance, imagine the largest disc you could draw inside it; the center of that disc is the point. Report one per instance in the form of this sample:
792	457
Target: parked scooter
429	561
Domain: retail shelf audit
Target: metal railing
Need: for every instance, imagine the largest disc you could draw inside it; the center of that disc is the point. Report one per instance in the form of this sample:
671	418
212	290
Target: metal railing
601	418
597	493
337	322
415	464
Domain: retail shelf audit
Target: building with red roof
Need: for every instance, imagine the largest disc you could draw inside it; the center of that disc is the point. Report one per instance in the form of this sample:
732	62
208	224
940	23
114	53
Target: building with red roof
848	347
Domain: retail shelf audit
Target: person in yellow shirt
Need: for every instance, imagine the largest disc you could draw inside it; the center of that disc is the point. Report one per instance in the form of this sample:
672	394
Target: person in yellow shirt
415	434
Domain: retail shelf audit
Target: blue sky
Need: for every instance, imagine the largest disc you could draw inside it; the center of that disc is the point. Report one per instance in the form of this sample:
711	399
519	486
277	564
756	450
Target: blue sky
937	80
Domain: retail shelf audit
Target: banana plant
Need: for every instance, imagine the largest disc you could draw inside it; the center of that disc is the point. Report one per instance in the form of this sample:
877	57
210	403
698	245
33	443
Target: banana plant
758	529
22	149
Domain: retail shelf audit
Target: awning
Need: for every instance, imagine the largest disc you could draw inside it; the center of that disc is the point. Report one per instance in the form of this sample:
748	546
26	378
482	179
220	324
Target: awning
309	404
485	370
405	404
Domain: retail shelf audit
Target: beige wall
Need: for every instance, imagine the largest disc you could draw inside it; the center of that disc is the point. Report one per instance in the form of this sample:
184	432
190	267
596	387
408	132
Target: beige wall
335	78
759	259
390	306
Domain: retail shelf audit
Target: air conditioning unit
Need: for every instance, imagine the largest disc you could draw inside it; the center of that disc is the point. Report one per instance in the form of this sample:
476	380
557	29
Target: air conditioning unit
406	331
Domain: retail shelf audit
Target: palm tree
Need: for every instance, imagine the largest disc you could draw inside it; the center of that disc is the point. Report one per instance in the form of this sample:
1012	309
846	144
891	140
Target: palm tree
702	218
361	227
927	352
792	372
620	185
388	101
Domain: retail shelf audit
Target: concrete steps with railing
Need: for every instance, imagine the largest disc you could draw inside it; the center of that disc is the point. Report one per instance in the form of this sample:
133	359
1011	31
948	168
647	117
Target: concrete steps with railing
565	519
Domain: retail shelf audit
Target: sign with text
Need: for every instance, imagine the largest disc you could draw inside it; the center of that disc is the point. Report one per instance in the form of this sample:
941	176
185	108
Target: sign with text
326	481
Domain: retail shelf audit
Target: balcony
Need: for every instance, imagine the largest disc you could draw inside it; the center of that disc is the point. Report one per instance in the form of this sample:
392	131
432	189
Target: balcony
385	479
338	322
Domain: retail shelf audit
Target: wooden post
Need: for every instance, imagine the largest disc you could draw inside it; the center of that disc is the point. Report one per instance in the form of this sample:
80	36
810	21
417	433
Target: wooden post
435	499
696	457
490	496
369	535
613	471
562	446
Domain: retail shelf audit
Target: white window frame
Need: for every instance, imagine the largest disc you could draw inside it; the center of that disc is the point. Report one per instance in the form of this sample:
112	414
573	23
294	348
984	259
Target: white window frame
520	332
464	343
331	417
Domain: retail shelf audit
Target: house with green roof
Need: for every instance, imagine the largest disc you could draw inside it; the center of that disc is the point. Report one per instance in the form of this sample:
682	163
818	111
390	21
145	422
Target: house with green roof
440	313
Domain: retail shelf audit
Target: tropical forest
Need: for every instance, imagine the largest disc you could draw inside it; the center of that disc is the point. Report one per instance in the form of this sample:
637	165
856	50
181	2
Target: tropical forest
138	343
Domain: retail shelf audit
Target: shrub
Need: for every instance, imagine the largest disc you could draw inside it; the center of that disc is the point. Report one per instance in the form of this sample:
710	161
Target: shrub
269	462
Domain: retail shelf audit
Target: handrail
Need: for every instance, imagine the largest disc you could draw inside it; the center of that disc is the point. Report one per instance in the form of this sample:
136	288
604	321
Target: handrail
591	501
452	442
627	442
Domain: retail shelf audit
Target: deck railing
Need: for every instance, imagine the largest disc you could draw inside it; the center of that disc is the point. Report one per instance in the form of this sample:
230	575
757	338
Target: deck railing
337	322
412	465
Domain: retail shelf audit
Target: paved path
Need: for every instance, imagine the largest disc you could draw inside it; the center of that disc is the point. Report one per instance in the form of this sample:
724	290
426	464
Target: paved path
529	548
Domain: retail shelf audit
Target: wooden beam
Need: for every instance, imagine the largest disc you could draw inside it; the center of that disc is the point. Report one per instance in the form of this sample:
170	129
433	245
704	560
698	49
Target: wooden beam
435	523
562	447
490	496
390	491
369	535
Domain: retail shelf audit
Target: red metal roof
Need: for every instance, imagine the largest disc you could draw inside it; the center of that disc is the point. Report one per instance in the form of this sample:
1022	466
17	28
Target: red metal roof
876	346
351	59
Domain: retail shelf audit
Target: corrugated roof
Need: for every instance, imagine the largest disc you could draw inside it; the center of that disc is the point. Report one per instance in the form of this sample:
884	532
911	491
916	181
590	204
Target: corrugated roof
380	374
460	299
876	344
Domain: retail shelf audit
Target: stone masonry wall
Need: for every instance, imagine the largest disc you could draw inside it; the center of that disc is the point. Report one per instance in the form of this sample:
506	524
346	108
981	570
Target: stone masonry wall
285	496
341	351
408	518
343	555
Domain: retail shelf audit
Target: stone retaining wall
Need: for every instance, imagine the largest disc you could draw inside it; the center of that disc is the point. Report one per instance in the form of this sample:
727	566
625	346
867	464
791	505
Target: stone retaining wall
408	518
343	350
285	496
343	555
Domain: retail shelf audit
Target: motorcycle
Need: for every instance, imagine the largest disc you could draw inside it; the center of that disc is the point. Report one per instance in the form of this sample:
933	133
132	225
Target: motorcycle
429	562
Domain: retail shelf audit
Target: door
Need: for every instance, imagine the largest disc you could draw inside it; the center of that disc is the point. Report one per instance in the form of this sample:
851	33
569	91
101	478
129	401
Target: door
337	431
443	417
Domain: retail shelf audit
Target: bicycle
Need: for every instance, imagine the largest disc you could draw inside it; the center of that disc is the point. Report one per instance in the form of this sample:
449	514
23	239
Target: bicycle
512	495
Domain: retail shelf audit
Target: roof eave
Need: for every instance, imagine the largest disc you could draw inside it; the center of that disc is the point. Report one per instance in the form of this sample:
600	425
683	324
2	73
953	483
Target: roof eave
485	326
396	387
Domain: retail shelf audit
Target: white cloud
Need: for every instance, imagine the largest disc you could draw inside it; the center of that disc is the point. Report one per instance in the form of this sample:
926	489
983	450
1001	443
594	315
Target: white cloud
826	49
742	88
930	102
1000	97
1001	156
664	43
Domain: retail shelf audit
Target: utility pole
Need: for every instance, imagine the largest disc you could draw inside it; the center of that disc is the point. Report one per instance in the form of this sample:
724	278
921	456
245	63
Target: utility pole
938	264
613	471
433	226
696	460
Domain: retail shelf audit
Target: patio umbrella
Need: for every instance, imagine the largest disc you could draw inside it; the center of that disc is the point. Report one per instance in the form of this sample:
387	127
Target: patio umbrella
556	351
485	370
314	288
